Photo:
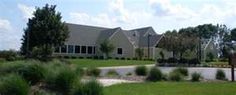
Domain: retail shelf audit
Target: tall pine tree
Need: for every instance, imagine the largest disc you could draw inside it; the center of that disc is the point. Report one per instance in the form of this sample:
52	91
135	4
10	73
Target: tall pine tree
44	31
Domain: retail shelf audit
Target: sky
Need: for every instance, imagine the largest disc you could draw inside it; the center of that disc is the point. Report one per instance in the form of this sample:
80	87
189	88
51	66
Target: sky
162	15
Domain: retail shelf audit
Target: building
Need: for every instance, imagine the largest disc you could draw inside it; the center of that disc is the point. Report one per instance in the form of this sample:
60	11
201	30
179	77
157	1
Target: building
84	41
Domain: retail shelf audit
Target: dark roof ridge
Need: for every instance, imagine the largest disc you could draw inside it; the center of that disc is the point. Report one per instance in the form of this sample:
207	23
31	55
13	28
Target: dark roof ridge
88	25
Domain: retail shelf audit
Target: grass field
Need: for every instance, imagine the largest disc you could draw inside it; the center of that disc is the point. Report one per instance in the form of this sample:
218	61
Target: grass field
173	88
107	63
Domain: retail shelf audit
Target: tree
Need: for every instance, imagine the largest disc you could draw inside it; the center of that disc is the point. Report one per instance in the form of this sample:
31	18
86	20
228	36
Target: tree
169	42
44	31
179	42
139	52
210	56
233	34
106	47
162	55
224	37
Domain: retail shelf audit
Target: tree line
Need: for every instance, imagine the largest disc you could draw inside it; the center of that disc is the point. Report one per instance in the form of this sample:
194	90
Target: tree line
191	39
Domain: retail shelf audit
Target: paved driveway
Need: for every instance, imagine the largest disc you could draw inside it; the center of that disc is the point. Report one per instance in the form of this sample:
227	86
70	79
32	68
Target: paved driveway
207	73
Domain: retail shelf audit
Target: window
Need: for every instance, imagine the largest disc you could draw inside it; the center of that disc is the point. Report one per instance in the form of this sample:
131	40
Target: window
70	49
90	49
77	49
119	51
63	49
57	50
83	49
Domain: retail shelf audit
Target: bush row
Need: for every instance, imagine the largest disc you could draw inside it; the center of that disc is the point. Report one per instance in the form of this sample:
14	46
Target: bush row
101	57
59	78
9	55
177	74
193	61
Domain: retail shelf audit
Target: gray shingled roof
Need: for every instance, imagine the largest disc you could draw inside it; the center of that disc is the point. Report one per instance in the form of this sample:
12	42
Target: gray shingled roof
90	35
106	34
84	34
143	36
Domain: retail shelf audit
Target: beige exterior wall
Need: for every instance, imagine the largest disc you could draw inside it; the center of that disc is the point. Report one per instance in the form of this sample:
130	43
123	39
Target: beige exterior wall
119	40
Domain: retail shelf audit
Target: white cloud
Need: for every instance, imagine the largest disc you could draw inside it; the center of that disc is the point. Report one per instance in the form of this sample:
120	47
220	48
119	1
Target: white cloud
117	15
4	24
161	14
9	40
26	10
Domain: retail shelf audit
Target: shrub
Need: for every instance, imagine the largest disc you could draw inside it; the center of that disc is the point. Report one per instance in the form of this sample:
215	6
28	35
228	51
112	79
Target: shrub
112	73
128	74
43	92
117	58
13	85
220	74
210	56
194	61
195	77
175	76
122	58
9	55
162	55
79	71
183	61
61	80
6	68
89	88
141	70
32	73
161	60
135	58
172	60
155	74
165	77
182	71
95	57
93	72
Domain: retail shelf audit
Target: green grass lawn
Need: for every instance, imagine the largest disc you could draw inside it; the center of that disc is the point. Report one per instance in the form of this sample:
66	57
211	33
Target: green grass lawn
173	88
107	63
218	63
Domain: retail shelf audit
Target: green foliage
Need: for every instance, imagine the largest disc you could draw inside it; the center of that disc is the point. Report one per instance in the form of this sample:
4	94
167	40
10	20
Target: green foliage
220	74
32	73
61	79
89	88
210	56
43	92
80	71
13	84
139	53
182	71
128	74
93	72
162	55
175	76
195	77
106	47
40	53
178	42
141	70
233	34
154	75
9	55
112	73
44	30
6	68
